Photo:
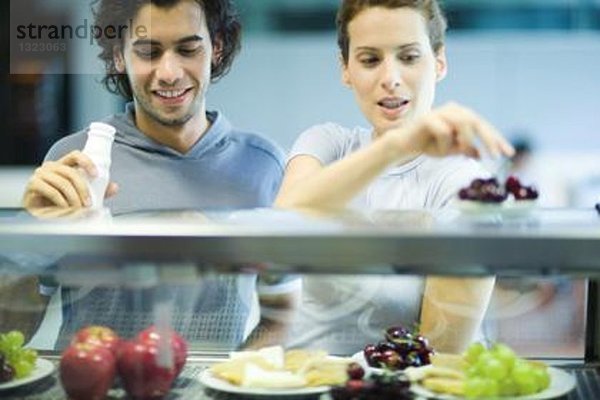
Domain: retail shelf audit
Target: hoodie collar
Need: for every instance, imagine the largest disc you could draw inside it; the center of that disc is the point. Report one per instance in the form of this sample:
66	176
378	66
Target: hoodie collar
129	134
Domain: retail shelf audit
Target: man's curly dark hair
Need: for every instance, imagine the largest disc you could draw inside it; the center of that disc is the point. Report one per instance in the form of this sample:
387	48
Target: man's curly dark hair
221	18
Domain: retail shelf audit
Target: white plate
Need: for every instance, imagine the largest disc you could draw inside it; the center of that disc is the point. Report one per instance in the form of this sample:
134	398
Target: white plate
42	369
561	383
211	381
509	208
359	357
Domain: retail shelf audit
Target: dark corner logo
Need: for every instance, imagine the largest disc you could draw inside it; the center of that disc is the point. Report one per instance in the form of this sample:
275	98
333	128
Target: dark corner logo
82	31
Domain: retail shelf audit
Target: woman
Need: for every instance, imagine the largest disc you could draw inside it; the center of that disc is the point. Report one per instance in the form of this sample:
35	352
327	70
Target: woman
393	56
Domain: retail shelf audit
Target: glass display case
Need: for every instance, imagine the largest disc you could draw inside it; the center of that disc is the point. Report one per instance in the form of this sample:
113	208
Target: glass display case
234	280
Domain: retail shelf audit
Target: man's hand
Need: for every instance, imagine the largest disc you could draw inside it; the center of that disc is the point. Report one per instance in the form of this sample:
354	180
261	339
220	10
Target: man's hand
62	184
278	309
452	129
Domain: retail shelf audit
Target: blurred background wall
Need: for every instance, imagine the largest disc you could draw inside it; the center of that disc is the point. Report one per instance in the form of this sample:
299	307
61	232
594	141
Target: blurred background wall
529	66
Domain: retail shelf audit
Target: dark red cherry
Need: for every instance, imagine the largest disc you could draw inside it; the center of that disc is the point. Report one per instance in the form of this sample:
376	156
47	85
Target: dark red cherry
355	385
369	349
532	193
413	359
391	359
386	346
355	371
396	332
493	182
7	373
477	183
421	342
425	358
521	194
512	184
375	359
404	346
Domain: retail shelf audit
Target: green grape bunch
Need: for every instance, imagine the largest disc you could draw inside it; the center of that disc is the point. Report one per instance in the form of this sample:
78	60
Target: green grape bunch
499	372
16	362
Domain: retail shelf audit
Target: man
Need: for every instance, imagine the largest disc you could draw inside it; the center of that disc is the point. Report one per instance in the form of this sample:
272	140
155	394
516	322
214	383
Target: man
169	153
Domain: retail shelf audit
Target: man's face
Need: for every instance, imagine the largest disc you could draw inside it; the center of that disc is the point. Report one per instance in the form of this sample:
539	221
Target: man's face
391	66
169	68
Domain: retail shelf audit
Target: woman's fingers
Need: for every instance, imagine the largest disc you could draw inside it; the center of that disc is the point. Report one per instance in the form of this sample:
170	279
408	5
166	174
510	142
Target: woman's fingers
464	123
494	142
503	145
465	139
465	143
469	128
445	140
445	132
437	139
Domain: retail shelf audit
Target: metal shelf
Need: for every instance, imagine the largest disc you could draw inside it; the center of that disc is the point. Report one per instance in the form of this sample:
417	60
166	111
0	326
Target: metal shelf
540	242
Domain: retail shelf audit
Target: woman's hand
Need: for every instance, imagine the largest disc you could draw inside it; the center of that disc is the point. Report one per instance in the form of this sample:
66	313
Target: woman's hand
451	129
61	184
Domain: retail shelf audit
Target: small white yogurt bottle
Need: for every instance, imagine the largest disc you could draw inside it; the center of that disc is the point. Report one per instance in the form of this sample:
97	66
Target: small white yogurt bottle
98	148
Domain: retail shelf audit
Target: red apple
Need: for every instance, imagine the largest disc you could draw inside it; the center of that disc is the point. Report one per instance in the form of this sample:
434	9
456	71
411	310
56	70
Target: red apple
87	371
178	344
142	376
101	335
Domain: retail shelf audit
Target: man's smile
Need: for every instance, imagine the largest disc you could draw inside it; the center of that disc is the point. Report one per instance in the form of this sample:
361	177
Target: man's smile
172	96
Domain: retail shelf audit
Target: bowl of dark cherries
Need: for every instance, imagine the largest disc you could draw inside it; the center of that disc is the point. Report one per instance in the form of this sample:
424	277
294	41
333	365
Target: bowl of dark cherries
484	195
400	349
377	373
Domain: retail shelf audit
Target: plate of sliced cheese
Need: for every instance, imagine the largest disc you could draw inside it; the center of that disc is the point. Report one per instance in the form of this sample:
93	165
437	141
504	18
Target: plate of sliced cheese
271	371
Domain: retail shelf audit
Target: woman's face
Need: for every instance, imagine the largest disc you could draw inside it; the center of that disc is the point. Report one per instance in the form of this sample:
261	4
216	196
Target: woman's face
391	67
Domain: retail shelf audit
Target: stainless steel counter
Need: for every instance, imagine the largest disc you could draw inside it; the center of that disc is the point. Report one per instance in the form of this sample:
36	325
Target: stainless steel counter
565	241
176	245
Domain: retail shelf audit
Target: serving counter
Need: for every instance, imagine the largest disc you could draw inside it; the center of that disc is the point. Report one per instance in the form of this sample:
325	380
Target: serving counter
154	248
542	241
